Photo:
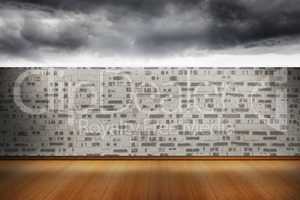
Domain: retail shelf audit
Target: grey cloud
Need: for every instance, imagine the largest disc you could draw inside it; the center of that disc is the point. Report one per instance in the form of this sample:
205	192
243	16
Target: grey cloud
10	40
148	27
153	7
11	44
237	22
25	33
232	23
62	36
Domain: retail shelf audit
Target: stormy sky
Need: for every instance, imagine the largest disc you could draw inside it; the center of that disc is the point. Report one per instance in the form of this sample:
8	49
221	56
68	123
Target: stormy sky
55	29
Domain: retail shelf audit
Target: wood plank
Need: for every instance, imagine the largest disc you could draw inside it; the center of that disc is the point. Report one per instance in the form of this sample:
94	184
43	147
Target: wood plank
150	179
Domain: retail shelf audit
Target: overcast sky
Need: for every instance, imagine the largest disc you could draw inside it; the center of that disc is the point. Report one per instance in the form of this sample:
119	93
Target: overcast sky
61	31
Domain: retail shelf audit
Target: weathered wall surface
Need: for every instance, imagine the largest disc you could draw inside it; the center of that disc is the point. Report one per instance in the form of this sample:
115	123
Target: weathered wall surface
150	111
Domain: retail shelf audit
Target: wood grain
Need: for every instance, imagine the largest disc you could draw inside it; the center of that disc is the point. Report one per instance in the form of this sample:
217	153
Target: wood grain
149	179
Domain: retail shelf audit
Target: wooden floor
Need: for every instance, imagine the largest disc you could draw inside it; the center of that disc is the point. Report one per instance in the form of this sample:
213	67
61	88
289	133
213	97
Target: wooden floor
183	180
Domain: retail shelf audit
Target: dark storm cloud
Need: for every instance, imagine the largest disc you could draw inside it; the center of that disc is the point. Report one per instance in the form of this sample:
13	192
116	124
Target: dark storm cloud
238	22
152	7
27	32
10	44
150	27
32	38
64	37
